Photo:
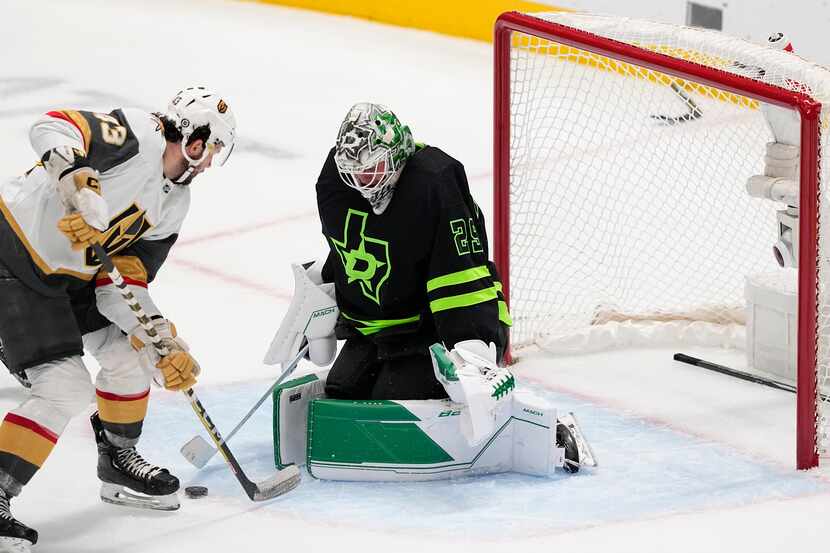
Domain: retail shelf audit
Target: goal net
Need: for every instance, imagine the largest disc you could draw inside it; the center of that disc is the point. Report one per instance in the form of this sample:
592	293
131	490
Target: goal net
622	216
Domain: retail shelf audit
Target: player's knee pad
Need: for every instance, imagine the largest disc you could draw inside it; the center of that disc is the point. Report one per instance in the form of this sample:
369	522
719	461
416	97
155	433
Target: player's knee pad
60	390
122	385
121	372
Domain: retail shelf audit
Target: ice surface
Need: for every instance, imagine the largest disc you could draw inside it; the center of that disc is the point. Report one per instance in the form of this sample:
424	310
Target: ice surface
647	469
690	461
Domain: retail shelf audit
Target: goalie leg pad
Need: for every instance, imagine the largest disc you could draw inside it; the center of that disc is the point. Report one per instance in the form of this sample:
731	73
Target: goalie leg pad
291	400
416	440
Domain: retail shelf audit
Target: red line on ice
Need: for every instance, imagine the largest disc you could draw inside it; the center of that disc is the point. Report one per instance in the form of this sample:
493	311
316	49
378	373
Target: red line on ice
228	233
233	279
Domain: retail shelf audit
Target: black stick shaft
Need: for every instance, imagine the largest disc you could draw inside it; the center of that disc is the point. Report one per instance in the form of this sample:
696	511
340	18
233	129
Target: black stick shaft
683	358
249	487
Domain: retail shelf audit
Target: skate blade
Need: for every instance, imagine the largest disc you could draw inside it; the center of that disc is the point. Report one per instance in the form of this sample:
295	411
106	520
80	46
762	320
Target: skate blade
119	495
587	457
15	545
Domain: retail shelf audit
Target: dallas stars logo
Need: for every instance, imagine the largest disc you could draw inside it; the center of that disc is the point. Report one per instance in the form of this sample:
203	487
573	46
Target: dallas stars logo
354	138
365	259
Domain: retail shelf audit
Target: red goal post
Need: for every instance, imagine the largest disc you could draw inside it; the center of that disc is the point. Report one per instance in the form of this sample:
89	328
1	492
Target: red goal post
518	36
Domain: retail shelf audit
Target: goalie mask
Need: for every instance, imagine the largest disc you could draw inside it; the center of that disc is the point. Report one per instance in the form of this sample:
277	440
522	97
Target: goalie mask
372	149
196	107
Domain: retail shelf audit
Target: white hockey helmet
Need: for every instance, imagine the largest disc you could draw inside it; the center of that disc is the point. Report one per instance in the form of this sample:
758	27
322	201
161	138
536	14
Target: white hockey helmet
196	107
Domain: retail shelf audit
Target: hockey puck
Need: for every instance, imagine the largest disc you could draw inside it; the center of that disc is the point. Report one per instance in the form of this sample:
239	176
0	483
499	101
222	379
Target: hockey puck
195	492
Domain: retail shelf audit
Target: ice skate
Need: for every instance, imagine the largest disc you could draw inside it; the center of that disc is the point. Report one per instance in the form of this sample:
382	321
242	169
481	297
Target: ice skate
15	537
128	480
578	451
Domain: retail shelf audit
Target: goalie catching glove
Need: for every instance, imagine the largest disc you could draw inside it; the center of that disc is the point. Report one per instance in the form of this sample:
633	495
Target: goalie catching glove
470	376
80	192
311	317
175	371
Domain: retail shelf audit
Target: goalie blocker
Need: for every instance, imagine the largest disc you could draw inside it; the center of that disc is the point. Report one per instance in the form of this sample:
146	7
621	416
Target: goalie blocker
412	440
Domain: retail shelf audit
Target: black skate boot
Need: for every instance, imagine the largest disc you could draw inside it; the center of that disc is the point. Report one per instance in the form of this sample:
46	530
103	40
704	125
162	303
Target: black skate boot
14	535
127	479
565	438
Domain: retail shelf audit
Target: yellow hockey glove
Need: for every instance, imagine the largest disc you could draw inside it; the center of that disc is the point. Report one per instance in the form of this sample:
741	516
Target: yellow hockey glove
175	371
79	233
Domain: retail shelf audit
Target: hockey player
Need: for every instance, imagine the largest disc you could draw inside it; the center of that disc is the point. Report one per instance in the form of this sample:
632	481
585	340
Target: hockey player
408	259
120	179
420	304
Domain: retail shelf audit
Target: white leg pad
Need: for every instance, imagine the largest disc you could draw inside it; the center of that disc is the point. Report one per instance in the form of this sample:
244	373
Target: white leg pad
291	401
534	435
423	440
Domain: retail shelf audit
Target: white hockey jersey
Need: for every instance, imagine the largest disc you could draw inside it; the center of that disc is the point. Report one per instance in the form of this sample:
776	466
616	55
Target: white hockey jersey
126	148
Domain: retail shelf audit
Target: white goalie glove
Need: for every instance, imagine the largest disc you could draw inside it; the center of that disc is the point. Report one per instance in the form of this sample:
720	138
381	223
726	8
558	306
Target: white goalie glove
311	316
470	376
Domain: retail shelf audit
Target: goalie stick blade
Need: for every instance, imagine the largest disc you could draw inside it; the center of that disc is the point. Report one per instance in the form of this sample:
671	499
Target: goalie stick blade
672	120
693	113
281	483
198	452
587	457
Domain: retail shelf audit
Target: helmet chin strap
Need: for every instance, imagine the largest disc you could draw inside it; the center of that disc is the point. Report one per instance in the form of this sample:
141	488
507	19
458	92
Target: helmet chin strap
187	176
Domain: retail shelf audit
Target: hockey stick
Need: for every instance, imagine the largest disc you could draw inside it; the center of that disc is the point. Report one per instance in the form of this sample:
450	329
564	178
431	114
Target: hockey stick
198	452
283	481
694	112
683	358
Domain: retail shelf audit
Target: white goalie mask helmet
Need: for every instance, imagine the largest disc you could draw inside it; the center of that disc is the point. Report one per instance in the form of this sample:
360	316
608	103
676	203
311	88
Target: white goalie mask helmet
372	149
198	106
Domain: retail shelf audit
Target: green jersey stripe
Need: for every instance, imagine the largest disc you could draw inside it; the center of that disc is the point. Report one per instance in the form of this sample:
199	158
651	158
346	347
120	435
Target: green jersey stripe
504	314
373	327
458	277
463	300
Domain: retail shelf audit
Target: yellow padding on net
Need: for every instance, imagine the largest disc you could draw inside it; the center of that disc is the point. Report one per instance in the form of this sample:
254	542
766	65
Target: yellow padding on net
570	54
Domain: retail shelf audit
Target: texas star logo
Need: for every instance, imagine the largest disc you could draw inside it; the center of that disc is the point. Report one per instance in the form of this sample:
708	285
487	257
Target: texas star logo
354	139
365	259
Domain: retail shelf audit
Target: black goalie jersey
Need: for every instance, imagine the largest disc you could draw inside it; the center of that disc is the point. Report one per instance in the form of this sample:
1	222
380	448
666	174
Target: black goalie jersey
419	272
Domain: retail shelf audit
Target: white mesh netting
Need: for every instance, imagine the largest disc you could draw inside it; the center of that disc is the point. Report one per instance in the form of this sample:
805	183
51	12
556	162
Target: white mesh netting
618	217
